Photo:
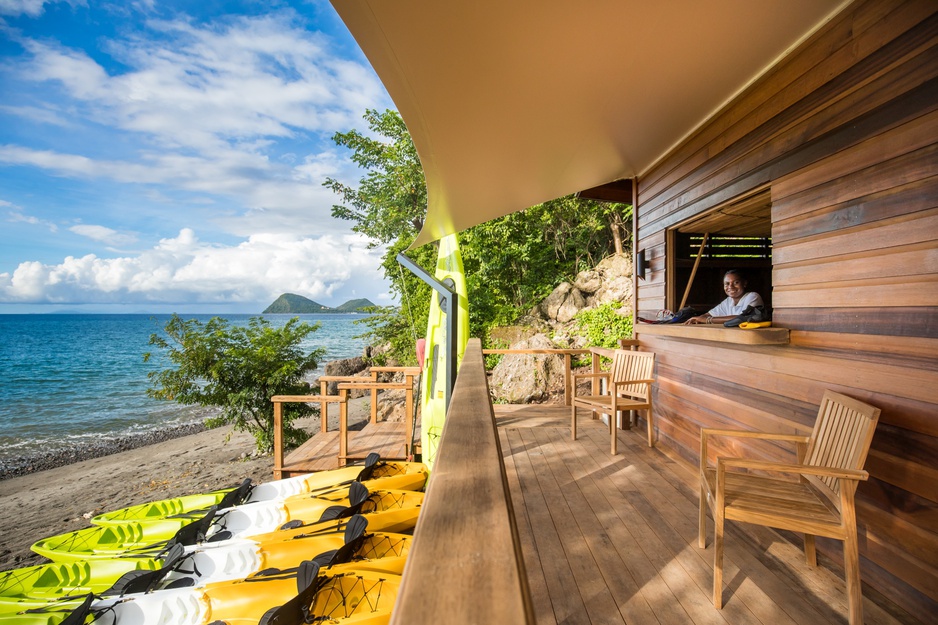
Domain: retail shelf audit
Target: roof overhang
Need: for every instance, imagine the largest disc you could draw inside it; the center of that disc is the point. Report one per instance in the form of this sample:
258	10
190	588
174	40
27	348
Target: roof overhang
512	103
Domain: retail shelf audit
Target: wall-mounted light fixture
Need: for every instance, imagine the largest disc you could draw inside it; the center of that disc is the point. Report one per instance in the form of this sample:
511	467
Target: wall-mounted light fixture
641	267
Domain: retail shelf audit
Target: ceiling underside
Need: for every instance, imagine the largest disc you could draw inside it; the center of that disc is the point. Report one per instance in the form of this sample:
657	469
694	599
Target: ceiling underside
747	217
512	103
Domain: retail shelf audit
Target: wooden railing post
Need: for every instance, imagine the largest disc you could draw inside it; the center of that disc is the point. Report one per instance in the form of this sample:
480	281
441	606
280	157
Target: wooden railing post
374	397
323	407
278	440
408	415
343	427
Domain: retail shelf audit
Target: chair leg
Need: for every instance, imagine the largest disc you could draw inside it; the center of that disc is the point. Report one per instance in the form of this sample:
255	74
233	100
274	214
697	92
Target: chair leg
613	439
702	519
810	553
852	577
573	422
718	559
651	428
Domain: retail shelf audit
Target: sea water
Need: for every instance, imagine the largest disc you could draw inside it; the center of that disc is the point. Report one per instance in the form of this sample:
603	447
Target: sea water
73	379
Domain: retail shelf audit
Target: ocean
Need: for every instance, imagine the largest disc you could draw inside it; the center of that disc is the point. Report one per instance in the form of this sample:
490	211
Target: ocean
69	380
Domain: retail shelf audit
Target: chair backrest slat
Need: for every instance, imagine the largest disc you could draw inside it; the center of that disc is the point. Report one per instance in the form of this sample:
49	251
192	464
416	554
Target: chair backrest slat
841	438
629	365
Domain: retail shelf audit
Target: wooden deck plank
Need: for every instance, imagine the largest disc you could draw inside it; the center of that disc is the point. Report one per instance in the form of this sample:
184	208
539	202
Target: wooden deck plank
320	452
676	598
634	582
565	600
613	534
601	604
651	499
537	583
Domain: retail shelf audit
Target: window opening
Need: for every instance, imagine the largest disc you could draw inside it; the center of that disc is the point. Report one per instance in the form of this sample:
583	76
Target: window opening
738	236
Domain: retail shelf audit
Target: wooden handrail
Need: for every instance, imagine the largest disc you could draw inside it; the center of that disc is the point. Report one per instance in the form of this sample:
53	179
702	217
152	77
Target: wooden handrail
323	400
466	542
568	354
567	363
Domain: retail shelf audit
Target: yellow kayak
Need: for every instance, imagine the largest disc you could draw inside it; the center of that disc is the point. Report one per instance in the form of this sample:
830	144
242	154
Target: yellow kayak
304	594
374	474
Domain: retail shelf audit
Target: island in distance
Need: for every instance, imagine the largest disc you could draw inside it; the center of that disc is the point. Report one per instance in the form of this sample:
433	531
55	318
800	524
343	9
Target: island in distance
290	303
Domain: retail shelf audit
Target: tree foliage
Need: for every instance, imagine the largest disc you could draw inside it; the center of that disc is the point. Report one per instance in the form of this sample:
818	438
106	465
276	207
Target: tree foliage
511	263
237	369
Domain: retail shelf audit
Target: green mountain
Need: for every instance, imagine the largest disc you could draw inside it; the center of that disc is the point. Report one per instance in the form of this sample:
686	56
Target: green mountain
290	303
353	305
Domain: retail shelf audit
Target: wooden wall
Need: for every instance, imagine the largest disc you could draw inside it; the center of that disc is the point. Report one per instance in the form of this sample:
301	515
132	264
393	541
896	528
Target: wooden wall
844	133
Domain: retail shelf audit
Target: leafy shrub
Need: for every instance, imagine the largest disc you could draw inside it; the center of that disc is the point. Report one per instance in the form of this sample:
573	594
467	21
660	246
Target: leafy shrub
237	369
603	326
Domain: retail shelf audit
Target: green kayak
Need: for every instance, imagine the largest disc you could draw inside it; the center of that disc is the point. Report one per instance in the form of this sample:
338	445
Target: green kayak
55	583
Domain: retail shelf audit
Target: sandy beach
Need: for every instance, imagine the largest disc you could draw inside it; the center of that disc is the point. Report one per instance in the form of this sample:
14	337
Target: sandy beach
50	502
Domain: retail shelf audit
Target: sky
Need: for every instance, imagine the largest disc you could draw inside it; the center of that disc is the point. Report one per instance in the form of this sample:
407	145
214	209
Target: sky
169	155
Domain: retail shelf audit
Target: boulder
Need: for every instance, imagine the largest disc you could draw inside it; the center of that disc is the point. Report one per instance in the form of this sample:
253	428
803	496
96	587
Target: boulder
507	335
588	281
346	367
619	289
522	378
563	304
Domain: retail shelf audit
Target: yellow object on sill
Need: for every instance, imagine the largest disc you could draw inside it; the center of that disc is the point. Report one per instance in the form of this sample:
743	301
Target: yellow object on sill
752	325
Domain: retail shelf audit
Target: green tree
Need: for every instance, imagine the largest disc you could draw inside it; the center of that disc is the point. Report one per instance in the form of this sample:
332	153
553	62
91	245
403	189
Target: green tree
237	369
390	202
511	263
389	205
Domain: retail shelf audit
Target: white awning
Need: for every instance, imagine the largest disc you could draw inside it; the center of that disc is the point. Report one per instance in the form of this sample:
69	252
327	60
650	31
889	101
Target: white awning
514	102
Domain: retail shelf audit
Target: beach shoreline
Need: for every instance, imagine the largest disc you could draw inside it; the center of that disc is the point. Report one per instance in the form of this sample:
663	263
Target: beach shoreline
32	462
51	501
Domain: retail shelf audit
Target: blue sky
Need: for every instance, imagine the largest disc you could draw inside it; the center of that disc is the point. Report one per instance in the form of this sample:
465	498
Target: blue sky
162	156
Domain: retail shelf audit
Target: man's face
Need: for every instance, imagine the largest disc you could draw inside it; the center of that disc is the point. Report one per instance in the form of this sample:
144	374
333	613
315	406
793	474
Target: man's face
734	286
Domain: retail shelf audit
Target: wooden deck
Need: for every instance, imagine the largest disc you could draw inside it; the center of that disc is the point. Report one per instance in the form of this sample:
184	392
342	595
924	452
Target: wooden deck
612	539
321	451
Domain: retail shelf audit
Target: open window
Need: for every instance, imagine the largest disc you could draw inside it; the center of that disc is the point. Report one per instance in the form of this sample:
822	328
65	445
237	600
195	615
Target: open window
736	235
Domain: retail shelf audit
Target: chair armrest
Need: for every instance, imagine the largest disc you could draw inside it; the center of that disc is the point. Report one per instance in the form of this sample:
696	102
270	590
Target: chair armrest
706	433
601	374
785	467
627	382
795	438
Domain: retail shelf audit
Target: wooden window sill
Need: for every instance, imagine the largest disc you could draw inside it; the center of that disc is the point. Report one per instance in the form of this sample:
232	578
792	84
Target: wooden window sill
719	334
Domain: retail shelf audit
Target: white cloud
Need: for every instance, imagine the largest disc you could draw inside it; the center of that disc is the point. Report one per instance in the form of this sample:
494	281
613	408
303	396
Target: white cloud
185	269
242	110
32	8
36	114
103	234
16	215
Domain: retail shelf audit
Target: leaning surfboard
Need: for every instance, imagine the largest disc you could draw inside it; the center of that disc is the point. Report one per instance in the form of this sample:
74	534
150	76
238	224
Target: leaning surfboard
449	271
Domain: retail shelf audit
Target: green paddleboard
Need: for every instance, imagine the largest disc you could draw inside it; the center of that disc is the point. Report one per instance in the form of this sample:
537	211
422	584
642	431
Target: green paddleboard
449	270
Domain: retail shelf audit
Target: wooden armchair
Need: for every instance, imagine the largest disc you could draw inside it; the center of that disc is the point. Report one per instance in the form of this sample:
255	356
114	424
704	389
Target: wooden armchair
628	388
820	502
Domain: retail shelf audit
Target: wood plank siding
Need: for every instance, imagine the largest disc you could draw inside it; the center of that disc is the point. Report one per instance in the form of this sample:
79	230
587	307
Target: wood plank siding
843	133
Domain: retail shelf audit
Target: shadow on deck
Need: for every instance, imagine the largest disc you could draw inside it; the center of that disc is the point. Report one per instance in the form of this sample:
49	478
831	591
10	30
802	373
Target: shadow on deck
613	539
